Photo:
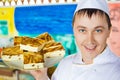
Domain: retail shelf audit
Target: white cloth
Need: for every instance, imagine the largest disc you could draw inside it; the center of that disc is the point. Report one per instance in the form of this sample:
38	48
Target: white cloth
106	66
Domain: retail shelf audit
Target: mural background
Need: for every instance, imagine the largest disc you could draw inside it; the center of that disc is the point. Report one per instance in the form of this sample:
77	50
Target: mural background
34	20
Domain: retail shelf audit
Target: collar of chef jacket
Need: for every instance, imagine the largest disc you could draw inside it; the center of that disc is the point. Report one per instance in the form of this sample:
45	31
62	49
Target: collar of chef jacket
105	57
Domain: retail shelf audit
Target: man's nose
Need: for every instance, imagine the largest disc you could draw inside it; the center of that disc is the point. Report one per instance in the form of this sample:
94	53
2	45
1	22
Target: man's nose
90	38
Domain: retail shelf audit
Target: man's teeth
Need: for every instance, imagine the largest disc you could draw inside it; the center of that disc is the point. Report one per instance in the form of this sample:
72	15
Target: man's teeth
93	47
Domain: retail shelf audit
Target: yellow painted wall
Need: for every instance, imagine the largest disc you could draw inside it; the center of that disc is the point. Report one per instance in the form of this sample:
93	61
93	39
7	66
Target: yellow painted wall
7	13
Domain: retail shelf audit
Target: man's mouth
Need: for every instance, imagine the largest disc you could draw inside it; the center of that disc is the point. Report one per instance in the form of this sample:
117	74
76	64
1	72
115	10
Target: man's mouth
90	48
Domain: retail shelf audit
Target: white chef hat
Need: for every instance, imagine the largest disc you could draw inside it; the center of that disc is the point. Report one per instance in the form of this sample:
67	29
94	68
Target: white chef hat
94	4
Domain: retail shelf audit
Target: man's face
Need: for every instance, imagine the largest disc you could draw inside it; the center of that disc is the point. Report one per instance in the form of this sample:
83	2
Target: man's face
114	39
90	34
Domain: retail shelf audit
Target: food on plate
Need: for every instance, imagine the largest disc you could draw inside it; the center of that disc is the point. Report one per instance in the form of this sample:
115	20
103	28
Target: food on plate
33	53
22	59
53	49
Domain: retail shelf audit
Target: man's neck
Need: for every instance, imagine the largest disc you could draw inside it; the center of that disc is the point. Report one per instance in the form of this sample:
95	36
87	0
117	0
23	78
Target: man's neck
87	61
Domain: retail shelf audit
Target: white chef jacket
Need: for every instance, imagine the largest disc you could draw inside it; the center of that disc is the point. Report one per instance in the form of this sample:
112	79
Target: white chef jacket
105	66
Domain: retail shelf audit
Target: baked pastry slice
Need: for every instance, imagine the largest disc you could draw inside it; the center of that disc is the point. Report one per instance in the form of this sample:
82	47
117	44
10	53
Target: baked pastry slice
53	53
31	44
45	36
20	59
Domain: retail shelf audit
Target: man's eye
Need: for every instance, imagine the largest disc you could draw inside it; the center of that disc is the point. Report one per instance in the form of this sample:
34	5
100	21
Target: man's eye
98	30
81	30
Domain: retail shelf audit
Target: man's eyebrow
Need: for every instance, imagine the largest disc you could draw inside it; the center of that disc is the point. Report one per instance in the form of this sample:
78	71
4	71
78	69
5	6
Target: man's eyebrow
81	26
95	27
100	27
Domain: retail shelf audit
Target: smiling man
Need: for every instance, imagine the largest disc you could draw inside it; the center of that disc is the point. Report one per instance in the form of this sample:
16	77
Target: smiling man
94	61
91	31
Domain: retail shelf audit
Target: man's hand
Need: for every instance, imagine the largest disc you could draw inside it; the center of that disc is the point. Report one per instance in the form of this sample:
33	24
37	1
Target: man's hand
39	74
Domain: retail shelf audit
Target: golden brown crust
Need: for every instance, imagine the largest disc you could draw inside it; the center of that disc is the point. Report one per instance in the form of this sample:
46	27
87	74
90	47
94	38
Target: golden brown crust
45	36
31	42
17	40
51	43
12	51
32	57
52	46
